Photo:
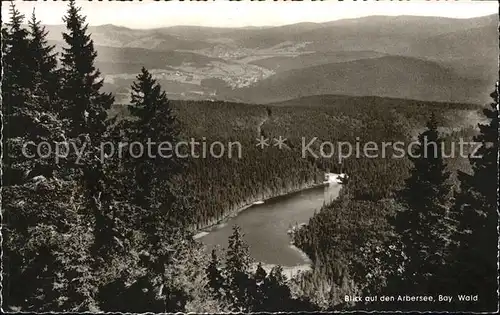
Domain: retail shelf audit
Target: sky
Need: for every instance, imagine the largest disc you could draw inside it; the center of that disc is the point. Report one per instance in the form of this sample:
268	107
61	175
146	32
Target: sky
225	13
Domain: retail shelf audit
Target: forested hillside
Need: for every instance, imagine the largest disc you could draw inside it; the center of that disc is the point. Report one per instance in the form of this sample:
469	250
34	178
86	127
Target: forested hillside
430	233
415	79
225	184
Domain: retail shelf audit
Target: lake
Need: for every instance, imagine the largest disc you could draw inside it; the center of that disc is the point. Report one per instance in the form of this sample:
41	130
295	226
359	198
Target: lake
265	225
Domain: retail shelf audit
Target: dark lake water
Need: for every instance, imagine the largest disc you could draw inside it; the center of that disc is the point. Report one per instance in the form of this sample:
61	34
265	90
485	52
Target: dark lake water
265	226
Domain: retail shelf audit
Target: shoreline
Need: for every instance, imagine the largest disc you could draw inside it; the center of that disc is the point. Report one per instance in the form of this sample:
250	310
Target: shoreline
199	233
289	271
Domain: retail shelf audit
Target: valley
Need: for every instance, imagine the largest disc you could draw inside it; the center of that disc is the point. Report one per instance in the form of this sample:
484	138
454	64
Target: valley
429	58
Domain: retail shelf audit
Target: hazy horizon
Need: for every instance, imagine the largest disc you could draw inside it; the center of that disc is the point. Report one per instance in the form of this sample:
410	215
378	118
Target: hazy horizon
225	14
266	26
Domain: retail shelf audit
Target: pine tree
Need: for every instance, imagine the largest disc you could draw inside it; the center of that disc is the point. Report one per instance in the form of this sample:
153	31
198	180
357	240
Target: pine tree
43	65
475	261
85	106
260	274
277	291
145	181
423	224
154	123
16	56
27	112
84	110
258	289
42	123
16	84
215	279
238	258
151	105
237	264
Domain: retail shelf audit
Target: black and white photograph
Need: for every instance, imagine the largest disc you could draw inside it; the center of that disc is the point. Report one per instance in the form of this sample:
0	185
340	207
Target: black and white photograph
218	157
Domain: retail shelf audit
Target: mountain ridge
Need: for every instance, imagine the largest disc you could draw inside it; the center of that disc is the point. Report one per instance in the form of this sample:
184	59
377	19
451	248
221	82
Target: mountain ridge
388	76
492	16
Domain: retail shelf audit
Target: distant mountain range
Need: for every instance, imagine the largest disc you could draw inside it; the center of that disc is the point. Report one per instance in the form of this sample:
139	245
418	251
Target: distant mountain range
428	58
